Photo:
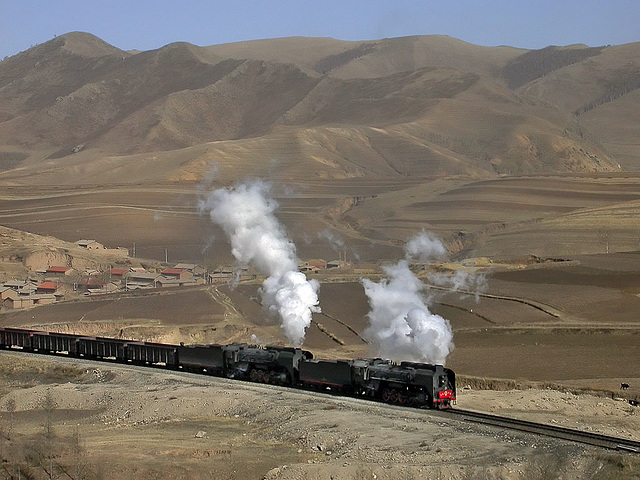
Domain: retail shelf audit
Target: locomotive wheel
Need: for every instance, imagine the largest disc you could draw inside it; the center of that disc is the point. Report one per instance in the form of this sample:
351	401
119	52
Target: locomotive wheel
402	399
393	397
386	395
254	375
266	377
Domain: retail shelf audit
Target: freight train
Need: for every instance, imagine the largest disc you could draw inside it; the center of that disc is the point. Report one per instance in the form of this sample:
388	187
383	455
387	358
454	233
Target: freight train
407	383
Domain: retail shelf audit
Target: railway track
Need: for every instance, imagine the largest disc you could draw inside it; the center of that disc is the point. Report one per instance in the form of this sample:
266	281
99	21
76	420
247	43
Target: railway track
588	438
552	431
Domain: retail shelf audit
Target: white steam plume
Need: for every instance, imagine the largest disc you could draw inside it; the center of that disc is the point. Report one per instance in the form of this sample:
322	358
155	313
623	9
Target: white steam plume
246	214
424	247
401	327
334	240
467	283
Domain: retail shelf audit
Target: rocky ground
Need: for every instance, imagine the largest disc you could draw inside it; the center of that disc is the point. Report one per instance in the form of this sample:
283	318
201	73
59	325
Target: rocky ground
111	421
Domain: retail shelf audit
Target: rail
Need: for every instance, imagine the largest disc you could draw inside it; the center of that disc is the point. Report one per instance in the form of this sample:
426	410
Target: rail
588	438
579	436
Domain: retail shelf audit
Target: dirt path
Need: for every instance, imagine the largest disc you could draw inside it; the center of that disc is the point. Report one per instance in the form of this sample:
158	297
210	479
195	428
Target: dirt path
548	309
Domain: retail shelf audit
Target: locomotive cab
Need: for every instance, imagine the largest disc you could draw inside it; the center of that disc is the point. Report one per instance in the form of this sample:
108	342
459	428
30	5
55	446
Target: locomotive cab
438	383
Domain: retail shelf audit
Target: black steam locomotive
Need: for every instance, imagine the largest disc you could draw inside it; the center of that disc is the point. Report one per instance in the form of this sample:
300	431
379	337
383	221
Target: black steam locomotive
414	384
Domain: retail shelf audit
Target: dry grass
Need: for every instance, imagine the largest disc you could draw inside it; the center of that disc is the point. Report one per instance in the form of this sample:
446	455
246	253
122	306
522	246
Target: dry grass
25	373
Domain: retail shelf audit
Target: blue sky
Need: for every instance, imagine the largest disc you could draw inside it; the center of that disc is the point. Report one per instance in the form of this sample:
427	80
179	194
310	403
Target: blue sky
147	25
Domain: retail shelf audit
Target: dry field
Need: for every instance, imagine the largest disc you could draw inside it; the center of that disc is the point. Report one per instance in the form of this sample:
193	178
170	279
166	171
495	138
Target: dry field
563	319
569	314
504	217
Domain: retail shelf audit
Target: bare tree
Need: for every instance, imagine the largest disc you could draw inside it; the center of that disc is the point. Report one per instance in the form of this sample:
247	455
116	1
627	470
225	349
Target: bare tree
79	469
11	408
48	405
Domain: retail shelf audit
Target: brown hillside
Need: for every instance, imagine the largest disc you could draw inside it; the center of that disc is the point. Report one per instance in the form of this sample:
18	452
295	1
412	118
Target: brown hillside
34	79
537	63
377	58
438	106
354	120
601	91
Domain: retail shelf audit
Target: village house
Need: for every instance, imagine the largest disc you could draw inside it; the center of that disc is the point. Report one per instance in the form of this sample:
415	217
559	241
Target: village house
11	299
90	283
97	247
28	289
177	274
117	273
226	274
136	280
177	282
90	244
60	271
44	299
19	287
5	292
47	287
336	264
110	287
312	265
197	270
15	284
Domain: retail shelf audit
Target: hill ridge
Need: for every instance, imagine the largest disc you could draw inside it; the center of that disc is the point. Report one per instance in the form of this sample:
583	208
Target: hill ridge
479	104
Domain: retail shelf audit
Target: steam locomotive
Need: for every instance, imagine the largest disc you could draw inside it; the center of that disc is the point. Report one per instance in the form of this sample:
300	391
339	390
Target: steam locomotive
410	383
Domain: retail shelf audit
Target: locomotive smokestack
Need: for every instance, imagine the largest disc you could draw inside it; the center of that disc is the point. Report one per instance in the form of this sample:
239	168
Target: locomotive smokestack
246	214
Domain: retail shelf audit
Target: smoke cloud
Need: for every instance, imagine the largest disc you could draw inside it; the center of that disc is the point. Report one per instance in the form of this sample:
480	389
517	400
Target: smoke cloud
424	247
461	281
401	327
334	240
246	214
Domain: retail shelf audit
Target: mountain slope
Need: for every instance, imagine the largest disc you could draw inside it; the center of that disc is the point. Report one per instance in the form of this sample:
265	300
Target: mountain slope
421	106
602	91
374	58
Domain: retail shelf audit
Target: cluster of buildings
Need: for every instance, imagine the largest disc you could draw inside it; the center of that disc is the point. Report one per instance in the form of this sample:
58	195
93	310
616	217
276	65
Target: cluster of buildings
180	275
42	289
56	282
25	293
